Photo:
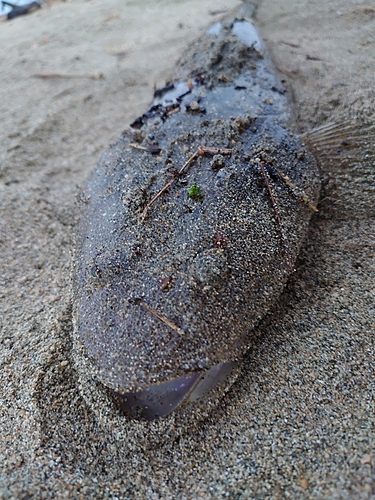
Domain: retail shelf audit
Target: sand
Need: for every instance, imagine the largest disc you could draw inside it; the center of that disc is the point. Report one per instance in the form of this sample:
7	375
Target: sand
300	420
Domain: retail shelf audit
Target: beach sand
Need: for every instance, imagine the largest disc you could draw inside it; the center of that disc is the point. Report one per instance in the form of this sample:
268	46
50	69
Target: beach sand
300	420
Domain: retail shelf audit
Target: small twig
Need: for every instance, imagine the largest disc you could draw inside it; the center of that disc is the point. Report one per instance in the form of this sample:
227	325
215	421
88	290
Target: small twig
148	149
162	318
278	217
168	185
53	76
173	111
214	151
136	146
202	150
297	191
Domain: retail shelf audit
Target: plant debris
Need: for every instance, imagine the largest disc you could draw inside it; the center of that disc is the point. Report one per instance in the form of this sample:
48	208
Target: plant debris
195	192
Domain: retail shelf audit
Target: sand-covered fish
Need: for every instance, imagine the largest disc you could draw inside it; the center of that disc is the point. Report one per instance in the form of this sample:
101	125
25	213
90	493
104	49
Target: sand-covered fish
191	226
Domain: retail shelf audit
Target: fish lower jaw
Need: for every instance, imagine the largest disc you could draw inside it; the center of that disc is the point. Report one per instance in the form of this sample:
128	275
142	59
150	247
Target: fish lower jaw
161	400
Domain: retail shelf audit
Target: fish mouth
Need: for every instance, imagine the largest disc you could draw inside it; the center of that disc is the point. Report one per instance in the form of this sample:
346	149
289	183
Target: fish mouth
162	399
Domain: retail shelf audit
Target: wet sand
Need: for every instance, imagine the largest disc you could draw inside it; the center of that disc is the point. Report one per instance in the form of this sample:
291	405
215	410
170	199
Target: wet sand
299	422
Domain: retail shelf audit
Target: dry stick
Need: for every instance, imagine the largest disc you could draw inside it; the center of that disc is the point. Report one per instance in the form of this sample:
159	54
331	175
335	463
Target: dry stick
202	150
167	186
214	151
149	149
136	146
295	190
53	76
162	318
279	221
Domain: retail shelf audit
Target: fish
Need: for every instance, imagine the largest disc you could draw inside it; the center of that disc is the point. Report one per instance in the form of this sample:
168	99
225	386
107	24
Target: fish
190	228
20	10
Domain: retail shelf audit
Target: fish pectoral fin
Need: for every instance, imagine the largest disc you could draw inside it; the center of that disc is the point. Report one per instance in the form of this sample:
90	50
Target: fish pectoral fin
351	141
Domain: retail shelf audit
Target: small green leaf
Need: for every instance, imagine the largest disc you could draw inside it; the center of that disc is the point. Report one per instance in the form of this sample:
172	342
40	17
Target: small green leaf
195	192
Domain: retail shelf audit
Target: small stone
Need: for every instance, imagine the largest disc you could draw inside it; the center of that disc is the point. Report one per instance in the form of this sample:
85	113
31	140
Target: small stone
194	106
303	482
164	283
367	459
217	162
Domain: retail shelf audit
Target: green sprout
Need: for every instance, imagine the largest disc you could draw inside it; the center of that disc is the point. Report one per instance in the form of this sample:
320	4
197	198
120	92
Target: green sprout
195	192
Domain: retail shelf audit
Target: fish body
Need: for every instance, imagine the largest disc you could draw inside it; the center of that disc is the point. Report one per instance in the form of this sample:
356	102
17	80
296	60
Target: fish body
188	231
